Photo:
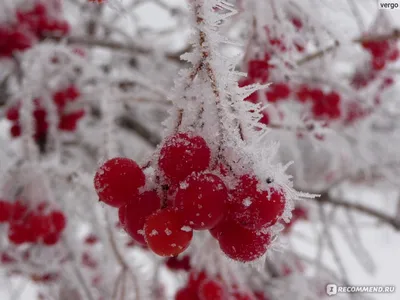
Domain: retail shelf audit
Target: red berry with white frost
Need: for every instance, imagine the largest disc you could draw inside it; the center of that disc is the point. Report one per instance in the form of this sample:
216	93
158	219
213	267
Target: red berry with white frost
240	243
133	215
202	198
166	233
118	180
183	154
252	207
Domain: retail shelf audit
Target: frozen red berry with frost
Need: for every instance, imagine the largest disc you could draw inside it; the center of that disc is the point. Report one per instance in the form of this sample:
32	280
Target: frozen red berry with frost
202	199
133	215
118	180
166	233
240	243
183	154
252	207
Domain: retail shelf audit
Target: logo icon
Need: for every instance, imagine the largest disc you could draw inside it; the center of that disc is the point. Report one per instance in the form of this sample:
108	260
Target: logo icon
331	289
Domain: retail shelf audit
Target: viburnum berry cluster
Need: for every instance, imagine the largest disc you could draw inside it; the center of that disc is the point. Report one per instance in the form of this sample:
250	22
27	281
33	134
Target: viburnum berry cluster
191	193
318	102
382	53
32	225
68	120
29	26
201	286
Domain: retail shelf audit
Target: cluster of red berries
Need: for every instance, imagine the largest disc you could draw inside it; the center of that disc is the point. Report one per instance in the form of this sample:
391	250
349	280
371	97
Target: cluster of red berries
382	52
200	286
191	195
67	120
31	25
324	105
28	225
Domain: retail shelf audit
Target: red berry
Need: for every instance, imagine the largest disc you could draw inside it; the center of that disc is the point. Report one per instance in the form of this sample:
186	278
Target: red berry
281	90
19	212
13	114
212	290
58	220
316	95
15	130
202	199
72	93
40	225
19	233
60	98
378	63
183	154
186	293
133	215
254	208
239	243
51	239
258	69
165	234
5	211
118	180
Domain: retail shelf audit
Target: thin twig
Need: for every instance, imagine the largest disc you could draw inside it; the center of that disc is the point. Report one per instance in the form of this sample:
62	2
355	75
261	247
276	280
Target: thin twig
395	223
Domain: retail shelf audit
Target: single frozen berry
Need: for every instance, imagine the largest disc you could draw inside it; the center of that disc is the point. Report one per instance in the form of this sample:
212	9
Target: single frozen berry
241	244
19	233
13	113
202	199
254	208
5	211
58	220
212	290
133	215
183	154
51	239
165	233
186	293
40	225
118	180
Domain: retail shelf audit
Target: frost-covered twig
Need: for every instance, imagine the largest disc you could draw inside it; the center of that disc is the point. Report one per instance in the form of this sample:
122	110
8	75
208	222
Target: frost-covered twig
381	216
